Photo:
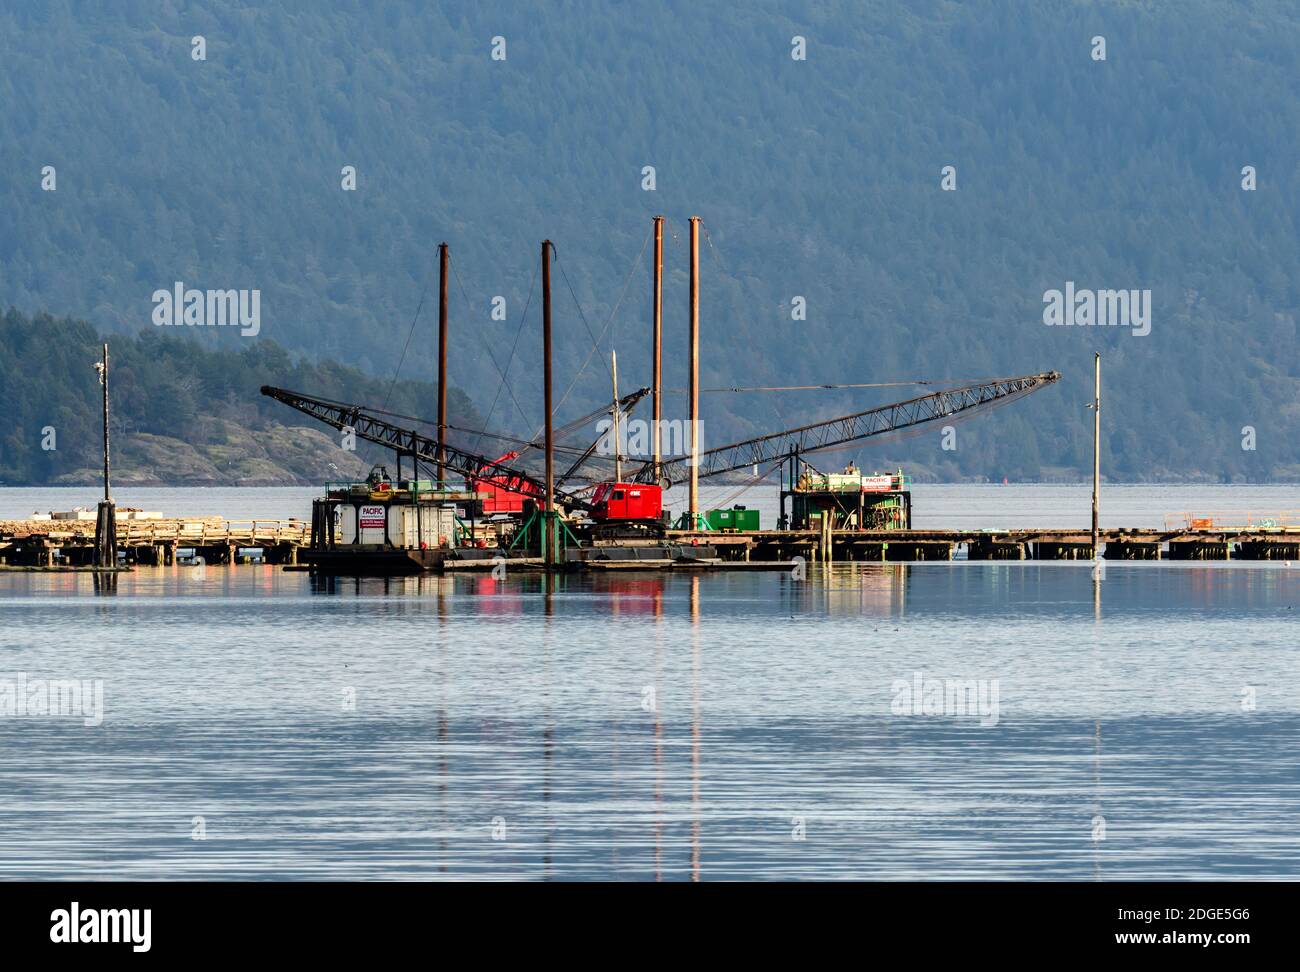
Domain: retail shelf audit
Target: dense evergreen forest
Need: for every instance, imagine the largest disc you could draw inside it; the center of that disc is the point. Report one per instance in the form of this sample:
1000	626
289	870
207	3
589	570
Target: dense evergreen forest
181	413
833	253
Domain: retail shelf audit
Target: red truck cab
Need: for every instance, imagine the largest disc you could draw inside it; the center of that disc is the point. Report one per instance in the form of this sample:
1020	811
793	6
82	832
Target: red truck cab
627	501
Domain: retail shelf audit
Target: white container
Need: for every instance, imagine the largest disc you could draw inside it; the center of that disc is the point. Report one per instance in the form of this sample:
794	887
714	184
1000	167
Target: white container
397	524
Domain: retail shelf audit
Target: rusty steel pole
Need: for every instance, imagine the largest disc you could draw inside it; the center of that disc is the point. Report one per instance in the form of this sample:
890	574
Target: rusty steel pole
694	498
442	362
546	394
656	383
1096	453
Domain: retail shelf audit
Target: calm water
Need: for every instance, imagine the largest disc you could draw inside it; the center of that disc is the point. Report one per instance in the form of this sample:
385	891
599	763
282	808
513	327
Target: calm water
1146	724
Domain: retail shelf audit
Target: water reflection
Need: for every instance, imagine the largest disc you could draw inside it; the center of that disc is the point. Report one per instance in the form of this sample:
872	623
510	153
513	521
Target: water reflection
658	726
697	824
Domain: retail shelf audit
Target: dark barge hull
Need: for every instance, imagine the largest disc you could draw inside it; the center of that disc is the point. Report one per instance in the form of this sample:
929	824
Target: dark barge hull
372	559
388	561
381	561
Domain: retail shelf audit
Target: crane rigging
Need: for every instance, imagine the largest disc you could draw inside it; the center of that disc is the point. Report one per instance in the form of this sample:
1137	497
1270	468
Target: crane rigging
838	432
763	450
366	424
626	404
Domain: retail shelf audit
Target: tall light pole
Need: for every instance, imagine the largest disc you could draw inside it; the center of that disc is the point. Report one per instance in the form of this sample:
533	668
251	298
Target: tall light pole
103	381
106	520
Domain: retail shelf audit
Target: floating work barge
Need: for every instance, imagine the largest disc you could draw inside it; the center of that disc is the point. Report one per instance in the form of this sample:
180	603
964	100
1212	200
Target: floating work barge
382	527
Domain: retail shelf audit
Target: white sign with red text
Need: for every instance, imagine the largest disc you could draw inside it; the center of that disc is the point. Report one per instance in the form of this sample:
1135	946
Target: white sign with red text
372	518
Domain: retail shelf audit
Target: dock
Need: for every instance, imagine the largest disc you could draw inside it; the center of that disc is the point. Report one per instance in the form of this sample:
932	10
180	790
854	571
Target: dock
155	542
70	544
1170	543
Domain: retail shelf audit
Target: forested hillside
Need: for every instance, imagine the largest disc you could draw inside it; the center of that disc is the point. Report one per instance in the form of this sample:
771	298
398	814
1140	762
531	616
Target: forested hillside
180	413
818	179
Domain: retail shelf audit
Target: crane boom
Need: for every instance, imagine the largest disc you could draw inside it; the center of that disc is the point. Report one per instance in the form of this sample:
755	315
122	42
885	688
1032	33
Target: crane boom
832	433
625	404
374	429
409	441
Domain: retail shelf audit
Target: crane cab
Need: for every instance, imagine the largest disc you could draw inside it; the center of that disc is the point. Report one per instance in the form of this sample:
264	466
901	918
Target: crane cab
495	498
624	502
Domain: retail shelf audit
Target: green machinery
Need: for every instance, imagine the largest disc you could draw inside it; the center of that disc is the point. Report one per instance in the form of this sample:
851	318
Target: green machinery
849	500
736	518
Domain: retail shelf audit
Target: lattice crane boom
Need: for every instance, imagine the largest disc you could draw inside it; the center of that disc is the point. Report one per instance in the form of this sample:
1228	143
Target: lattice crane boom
837	432
374	429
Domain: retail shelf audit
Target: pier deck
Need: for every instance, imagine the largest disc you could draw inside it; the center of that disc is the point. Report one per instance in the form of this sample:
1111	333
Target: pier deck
47	543
1244	543
44	543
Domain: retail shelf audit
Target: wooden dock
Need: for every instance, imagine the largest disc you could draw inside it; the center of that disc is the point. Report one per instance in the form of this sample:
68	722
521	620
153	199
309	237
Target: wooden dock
1176	543
70	544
